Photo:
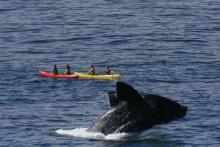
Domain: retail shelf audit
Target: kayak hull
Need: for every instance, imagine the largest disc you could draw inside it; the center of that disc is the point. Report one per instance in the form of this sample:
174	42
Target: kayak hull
88	76
61	76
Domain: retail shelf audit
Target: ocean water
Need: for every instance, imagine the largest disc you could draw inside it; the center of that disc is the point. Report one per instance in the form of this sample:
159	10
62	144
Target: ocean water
166	47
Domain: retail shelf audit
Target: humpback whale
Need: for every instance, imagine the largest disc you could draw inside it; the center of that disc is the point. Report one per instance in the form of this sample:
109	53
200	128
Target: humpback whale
132	112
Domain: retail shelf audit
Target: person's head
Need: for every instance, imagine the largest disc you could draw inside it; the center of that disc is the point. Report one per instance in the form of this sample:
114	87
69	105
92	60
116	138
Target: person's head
54	66
92	66
68	66
107	67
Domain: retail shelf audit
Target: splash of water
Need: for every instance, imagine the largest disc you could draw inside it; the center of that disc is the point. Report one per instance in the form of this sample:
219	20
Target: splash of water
83	133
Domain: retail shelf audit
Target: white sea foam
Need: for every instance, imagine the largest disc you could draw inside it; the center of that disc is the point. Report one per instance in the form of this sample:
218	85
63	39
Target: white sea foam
83	133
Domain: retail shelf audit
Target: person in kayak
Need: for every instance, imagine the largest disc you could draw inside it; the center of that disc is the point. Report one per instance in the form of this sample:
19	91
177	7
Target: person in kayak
67	70
107	70
91	70
55	70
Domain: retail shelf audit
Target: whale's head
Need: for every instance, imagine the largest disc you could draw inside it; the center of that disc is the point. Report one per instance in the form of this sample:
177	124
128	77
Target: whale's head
132	112
162	109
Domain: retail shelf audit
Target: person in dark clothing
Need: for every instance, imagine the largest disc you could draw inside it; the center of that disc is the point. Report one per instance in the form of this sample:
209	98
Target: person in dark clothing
91	70
67	70
55	70
107	70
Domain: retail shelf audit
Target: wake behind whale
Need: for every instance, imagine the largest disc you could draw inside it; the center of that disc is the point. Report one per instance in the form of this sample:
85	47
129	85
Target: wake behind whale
130	114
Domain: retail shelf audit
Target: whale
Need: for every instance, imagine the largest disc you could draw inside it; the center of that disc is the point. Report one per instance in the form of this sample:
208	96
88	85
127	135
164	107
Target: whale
132	112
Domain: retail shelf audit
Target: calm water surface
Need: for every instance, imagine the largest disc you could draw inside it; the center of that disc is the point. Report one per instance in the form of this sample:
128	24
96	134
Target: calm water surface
163	47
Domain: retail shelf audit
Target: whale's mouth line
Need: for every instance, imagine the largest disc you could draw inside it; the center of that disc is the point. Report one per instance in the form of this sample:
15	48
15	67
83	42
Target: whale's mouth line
109	112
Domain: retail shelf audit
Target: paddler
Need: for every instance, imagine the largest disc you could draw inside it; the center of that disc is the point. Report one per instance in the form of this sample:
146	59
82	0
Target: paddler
91	70
55	70
107	70
67	70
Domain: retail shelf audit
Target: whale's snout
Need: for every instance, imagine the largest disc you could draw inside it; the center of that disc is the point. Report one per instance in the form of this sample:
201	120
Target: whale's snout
182	111
184	108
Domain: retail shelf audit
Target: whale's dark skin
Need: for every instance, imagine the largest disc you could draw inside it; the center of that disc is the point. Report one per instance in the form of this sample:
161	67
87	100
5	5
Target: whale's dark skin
131	112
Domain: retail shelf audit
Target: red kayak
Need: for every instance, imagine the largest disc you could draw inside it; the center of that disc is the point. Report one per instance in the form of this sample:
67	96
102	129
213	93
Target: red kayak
51	75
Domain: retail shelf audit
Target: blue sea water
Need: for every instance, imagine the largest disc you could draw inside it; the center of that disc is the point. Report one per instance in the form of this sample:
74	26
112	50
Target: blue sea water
166	47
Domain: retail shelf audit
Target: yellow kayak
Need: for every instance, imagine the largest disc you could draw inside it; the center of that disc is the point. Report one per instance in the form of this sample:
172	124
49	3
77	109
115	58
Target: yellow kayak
88	76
